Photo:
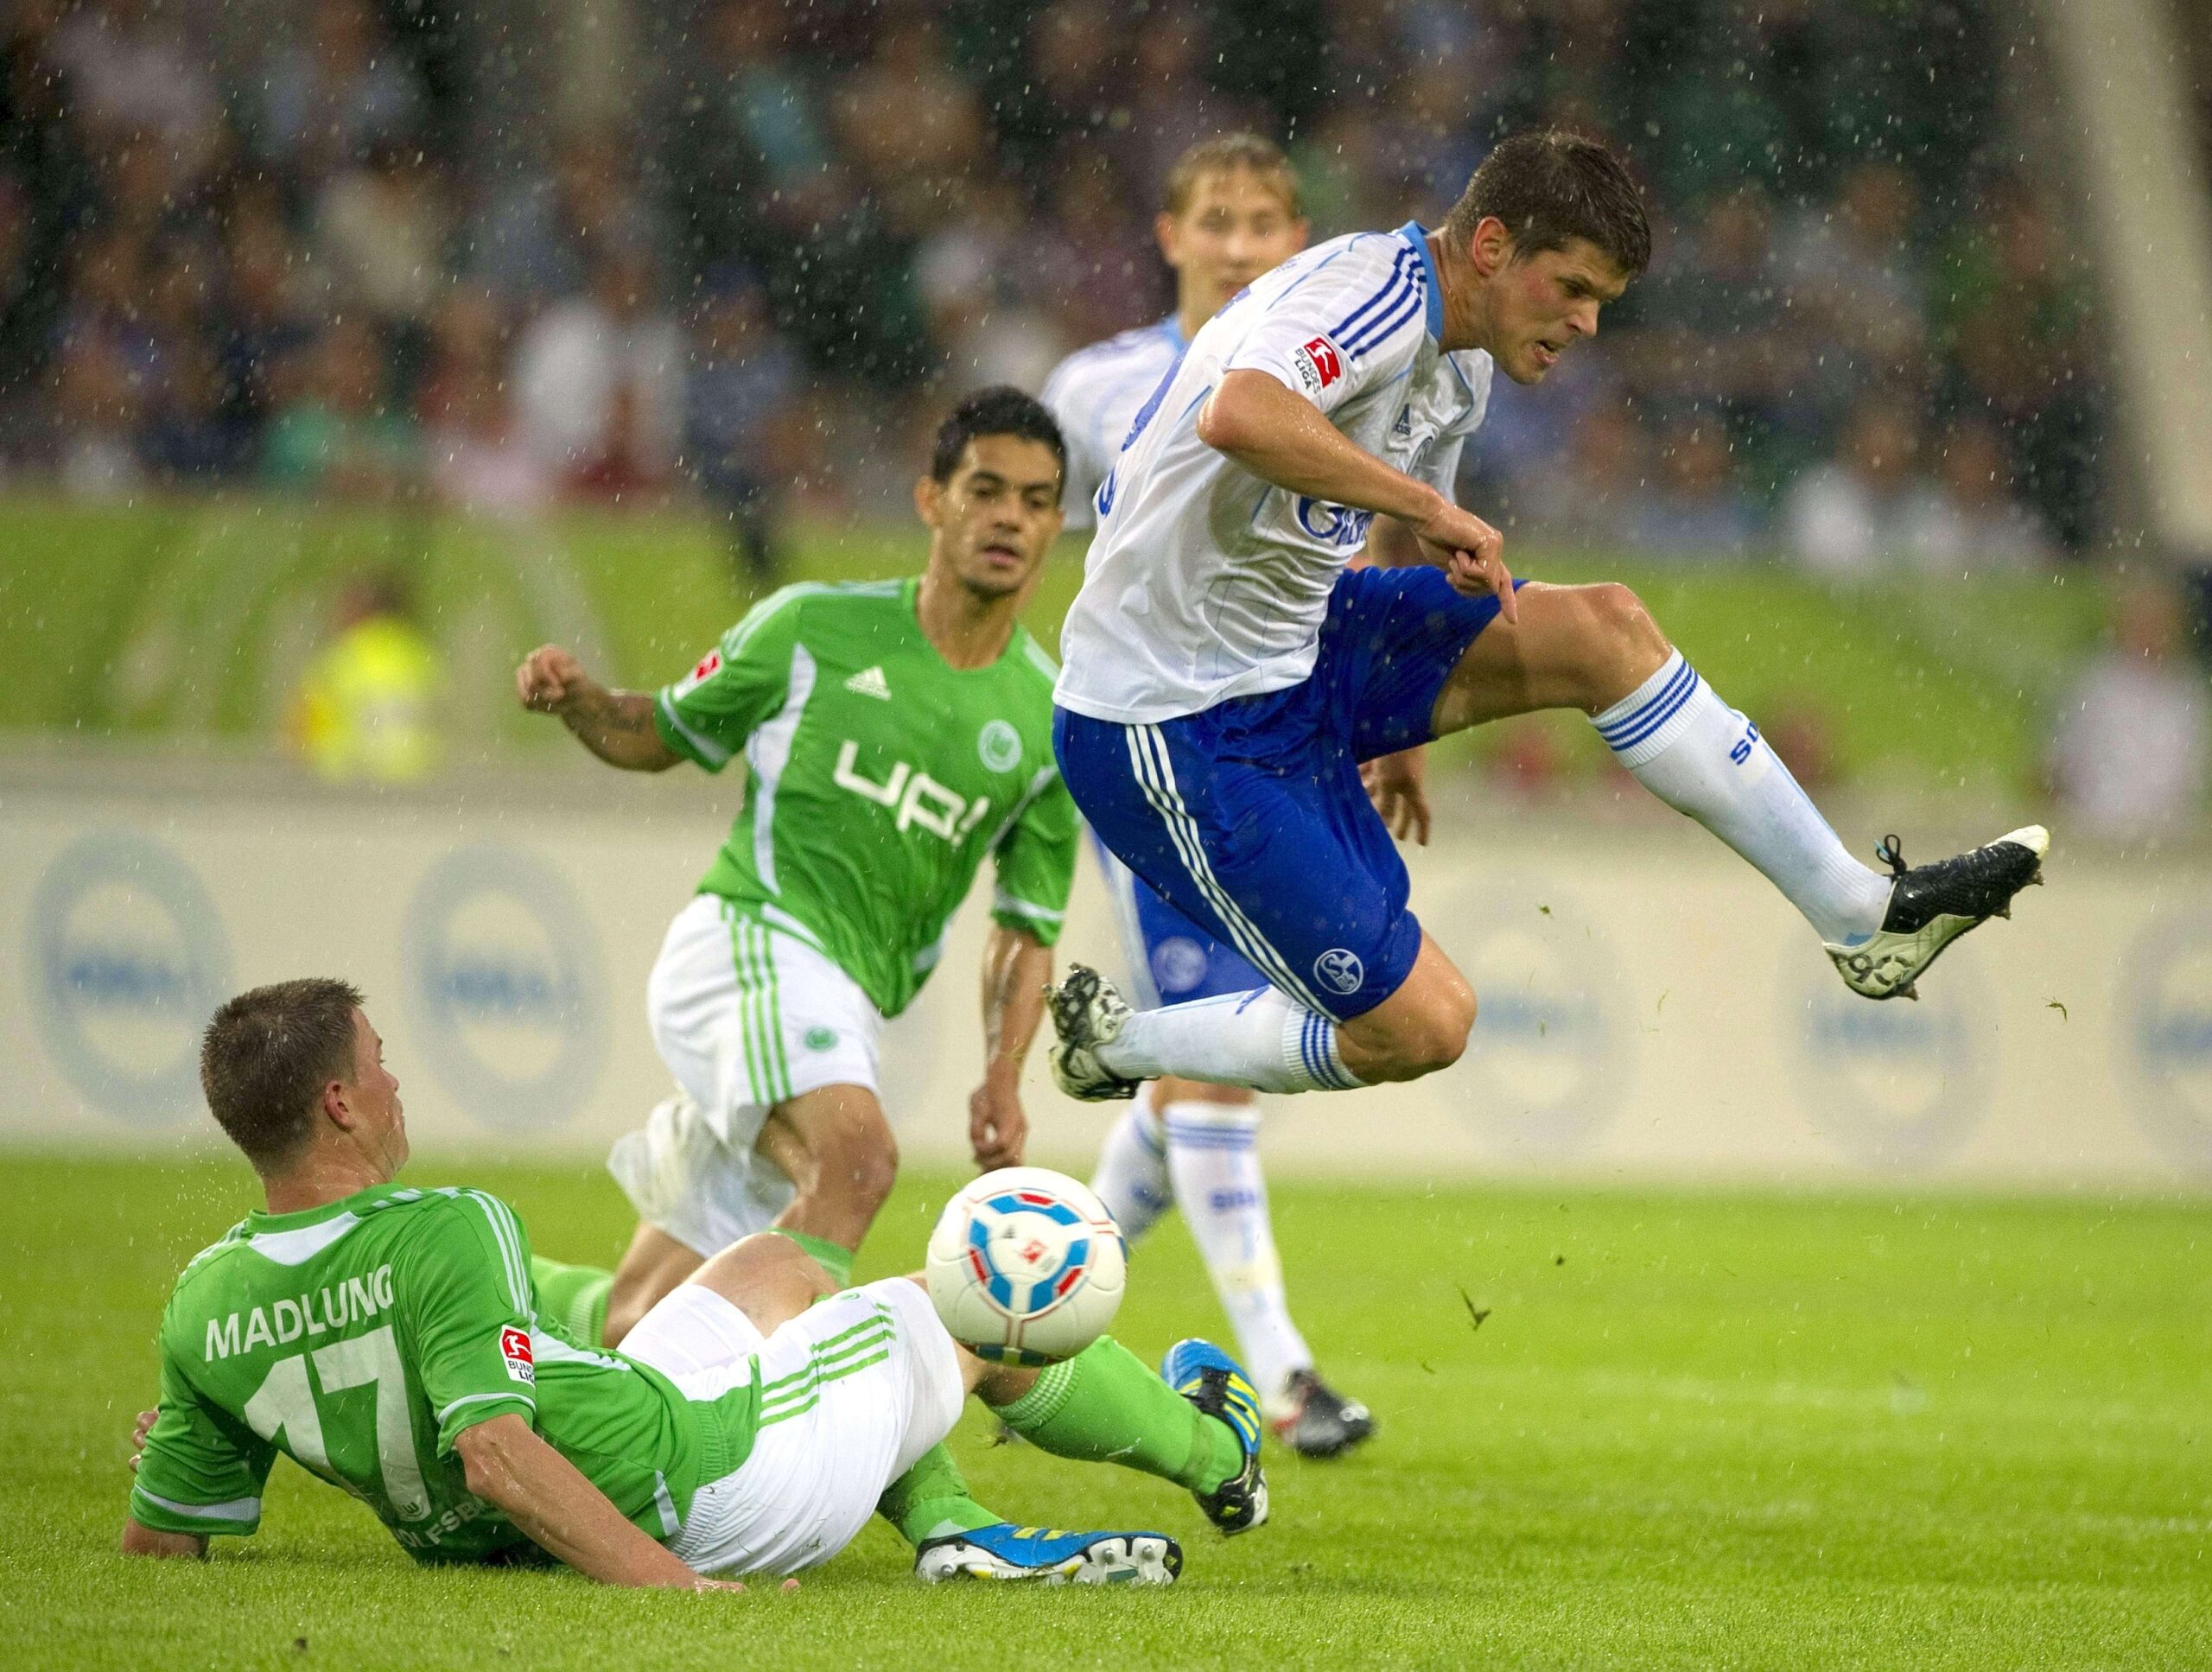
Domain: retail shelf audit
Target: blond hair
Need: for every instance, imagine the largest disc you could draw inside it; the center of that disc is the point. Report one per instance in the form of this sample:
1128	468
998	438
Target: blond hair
1226	154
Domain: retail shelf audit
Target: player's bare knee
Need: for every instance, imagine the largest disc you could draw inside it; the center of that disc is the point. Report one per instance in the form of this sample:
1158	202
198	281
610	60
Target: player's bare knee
1444	1040
1620	622
1422	1045
767	1257
767	1277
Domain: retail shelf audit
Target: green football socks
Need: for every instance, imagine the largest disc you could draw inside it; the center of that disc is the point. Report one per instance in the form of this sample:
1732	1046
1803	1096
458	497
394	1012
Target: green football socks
930	1500
1105	1406
574	1297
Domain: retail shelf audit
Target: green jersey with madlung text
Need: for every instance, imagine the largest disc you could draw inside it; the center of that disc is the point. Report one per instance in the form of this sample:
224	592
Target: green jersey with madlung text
363	1338
880	776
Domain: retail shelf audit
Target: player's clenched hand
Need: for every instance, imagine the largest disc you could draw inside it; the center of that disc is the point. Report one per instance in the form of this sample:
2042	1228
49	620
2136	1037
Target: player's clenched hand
998	1130
1398	786
548	678
1472	554
145	1426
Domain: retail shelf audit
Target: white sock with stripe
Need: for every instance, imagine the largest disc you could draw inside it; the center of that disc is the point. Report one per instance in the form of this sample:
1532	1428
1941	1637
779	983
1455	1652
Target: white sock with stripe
1213	1156
1260	1038
1702	758
1132	1179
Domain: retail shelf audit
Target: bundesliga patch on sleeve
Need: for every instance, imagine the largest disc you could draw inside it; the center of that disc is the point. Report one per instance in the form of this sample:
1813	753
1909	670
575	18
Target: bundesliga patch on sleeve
710	665
514	1347
1318	365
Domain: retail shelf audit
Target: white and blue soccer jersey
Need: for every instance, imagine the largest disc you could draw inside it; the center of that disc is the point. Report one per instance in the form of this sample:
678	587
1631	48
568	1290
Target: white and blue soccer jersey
1095	394
1205	583
1225	676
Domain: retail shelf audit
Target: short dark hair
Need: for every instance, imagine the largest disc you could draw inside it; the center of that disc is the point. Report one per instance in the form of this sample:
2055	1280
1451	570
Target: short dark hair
1001	410
1227	154
265	1059
1549	186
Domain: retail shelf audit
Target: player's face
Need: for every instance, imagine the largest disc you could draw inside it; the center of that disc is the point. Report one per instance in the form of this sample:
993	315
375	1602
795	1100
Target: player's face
1546	302
374	1098
992	521
1235	228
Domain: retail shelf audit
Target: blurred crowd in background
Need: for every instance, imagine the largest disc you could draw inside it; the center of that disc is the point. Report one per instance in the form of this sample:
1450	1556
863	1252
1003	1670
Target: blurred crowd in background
1866	345
1863	343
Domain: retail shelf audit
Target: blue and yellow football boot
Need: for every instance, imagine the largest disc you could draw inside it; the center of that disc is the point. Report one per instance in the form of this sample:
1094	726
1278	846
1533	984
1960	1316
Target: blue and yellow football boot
1216	1383
1047	1556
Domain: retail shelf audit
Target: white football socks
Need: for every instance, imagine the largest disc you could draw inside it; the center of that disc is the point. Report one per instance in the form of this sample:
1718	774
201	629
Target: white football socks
1214	1160
1132	1175
1702	758
1260	1040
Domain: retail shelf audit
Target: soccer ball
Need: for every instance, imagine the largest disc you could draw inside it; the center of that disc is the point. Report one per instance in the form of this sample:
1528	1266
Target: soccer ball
1026	1266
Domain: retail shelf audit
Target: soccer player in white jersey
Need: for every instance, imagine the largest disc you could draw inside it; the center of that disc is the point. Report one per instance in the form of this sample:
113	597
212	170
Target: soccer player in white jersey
1225	674
1231	212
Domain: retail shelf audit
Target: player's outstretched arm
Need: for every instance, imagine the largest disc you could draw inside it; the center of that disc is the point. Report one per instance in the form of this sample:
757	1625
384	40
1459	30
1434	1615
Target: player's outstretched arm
564	1515
140	1540
1282	437
616	726
1017	967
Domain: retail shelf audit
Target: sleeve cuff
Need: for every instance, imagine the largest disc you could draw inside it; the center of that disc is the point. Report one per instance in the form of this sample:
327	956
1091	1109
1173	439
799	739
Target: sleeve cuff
470	1409
1041	922
163	1515
695	747
1274	368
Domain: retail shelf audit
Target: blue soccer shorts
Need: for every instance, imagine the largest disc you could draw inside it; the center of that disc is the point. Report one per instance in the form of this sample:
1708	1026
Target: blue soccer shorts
1249	818
1171	959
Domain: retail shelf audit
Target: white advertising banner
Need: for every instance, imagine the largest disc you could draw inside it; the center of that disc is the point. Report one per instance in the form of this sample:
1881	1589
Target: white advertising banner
1649	1009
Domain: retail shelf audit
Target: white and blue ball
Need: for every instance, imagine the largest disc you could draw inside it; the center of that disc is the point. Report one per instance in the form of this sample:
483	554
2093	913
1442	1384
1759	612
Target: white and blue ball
1026	1266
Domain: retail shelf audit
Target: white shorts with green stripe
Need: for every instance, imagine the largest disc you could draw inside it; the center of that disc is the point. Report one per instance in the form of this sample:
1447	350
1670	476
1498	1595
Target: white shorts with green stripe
854	1390
746	1016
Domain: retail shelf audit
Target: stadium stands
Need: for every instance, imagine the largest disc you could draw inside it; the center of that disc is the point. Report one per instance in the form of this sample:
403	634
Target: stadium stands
292	265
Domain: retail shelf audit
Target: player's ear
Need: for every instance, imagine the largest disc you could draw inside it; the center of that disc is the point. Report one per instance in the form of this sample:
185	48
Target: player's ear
1164	230
1491	247
928	495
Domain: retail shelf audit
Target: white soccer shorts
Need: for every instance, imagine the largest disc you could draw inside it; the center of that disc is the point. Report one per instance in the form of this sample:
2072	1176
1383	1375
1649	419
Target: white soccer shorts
746	1016
854	1390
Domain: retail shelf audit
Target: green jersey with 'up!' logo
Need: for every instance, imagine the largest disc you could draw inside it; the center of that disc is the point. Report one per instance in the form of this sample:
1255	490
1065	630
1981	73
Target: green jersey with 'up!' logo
880	776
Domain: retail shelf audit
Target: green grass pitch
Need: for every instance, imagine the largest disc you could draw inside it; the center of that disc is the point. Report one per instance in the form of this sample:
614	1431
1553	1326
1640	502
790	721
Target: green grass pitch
1690	1430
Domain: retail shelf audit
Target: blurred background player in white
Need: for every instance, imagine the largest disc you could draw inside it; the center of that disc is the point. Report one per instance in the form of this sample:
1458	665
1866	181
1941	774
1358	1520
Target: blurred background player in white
1231	212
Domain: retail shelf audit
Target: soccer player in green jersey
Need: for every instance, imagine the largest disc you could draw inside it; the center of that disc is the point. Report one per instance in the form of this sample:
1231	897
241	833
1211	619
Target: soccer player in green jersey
895	734
388	1340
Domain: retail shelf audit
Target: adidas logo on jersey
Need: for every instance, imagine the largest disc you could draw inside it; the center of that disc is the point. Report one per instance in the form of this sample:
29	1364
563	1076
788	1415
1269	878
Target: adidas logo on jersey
869	682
